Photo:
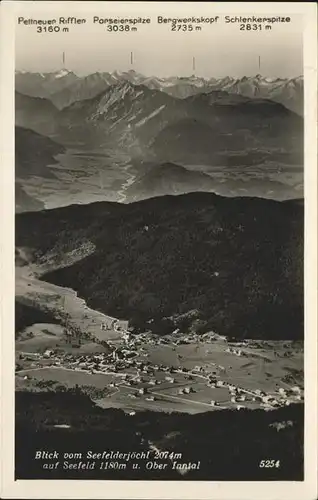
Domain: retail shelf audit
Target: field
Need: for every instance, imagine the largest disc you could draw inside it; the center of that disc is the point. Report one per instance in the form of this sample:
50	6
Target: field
40	337
69	378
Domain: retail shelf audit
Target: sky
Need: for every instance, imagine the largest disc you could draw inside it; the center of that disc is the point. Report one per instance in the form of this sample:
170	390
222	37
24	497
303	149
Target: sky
219	49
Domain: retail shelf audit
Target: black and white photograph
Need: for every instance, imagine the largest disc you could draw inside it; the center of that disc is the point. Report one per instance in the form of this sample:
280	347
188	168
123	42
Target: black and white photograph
159	243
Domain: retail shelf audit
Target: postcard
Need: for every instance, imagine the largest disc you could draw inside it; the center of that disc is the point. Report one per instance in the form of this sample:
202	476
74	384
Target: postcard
159	193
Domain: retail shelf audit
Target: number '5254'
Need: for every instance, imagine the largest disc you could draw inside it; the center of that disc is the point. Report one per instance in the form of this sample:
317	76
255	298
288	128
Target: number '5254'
269	464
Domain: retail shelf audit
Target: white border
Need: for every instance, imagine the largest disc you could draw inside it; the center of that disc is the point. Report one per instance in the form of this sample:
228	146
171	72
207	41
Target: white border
86	489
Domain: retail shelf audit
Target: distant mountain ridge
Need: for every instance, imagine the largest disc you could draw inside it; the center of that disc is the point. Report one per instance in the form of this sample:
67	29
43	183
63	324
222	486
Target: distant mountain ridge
81	89
64	87
43	84
132	116
241	145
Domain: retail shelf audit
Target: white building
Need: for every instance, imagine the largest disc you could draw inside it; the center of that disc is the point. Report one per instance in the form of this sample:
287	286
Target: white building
240	398
114	324
296	389
273	402
214	403
48	353
266	399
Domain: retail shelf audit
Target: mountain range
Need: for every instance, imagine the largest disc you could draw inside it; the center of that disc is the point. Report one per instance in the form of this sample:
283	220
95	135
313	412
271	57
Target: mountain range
64	87
237	145
133	117
43	84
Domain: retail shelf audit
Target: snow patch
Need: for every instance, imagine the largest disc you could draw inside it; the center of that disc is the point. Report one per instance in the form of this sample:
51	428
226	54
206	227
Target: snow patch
62	73
154	113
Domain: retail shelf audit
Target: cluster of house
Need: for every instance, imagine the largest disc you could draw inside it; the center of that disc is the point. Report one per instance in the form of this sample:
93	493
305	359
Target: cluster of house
237	352
143	391
292	392
126	355
186	390
115	324
240	395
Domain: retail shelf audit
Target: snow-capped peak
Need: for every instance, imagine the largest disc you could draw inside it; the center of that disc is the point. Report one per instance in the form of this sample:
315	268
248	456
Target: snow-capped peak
269	79
62	73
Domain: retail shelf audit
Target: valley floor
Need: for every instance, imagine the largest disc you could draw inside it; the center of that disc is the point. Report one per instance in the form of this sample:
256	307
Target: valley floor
180	372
